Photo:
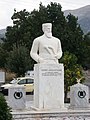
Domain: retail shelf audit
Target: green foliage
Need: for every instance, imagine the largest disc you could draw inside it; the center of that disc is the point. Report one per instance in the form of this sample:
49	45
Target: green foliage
3	56
19	60
72	70
4	109
75	38
15	34
86	43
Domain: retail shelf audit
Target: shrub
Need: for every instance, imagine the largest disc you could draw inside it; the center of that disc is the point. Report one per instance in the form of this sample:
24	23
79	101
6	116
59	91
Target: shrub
4	109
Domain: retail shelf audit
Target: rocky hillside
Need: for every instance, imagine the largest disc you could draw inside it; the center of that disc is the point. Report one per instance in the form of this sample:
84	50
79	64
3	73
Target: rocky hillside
83	15
2	34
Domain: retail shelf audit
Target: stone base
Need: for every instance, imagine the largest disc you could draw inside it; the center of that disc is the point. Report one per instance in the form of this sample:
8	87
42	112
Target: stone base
30	113
38	109
49	86
52	115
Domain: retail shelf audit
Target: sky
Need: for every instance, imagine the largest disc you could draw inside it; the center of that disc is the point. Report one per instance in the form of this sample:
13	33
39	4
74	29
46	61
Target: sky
7	7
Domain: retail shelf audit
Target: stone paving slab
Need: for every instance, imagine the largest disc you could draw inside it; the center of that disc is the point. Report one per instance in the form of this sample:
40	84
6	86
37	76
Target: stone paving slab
64	114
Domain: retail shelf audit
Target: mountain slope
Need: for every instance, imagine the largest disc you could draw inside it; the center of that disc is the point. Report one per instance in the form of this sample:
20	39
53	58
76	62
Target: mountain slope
2	34
83	15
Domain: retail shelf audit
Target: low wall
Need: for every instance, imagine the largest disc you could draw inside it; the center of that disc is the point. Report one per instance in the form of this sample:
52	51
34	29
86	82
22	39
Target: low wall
52	115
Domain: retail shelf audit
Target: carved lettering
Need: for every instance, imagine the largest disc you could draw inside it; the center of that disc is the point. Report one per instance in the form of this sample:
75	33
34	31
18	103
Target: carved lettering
51	72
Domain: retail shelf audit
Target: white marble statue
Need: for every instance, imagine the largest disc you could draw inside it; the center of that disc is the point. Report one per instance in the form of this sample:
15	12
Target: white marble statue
46	48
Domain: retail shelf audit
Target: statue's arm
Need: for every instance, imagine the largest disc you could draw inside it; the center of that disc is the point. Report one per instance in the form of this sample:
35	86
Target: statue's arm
59	51
34	51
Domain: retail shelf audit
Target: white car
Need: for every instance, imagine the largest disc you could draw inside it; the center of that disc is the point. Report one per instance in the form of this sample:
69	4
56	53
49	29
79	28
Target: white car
28	82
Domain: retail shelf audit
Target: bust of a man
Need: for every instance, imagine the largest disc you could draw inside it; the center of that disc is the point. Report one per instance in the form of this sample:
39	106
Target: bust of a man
46	48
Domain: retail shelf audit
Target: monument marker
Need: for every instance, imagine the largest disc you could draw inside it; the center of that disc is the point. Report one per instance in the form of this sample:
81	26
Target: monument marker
48	73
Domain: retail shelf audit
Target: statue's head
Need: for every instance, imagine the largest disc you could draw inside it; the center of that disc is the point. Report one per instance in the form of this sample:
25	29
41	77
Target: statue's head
47	29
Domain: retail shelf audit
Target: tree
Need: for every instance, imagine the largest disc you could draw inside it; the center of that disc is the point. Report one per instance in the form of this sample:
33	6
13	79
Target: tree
5	111
52	13
15	33
72	71
86	43
3	56
19	61
75	38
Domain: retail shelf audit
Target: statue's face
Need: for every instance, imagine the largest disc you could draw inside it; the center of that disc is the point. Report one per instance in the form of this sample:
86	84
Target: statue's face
48	29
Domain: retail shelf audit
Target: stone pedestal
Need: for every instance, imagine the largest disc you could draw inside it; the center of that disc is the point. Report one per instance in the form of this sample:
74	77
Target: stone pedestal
49	86
79	96
17	97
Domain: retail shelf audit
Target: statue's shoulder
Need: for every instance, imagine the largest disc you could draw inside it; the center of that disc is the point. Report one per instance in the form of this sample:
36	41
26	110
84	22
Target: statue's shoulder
38	38
55	38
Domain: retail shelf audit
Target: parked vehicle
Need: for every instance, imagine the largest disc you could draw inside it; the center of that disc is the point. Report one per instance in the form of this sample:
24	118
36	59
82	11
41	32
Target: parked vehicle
28	82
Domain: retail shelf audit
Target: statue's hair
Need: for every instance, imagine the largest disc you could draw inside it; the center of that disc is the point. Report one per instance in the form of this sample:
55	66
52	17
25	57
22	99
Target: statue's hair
45	25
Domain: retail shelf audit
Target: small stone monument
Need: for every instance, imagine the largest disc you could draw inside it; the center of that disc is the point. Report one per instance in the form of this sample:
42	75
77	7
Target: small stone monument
48	73
17	97
79	96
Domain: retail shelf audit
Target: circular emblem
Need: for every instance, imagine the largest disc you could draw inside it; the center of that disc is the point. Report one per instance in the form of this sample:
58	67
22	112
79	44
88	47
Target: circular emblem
18	95
81	94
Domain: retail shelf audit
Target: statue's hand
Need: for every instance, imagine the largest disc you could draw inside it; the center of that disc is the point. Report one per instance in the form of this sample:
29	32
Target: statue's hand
41	60
56	56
